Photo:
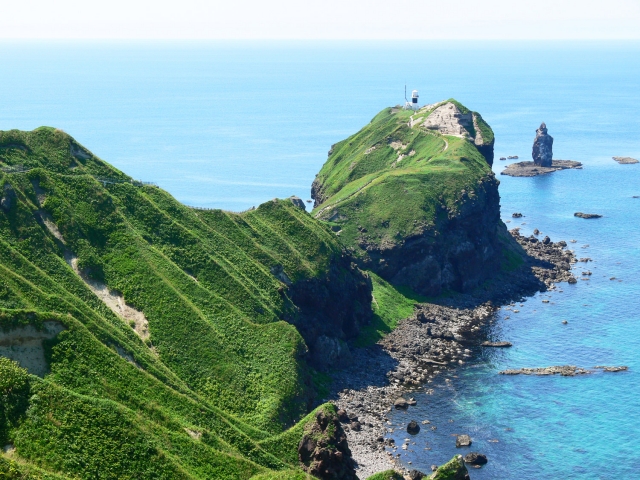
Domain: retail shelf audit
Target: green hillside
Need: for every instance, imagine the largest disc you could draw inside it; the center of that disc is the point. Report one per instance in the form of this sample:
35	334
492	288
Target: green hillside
154	333
389	180
413	196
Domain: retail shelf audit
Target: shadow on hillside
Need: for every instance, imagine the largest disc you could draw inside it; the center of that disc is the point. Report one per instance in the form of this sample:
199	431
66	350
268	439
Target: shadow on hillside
368	367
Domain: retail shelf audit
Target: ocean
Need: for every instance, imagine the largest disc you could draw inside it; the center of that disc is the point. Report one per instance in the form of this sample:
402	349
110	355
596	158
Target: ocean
232	124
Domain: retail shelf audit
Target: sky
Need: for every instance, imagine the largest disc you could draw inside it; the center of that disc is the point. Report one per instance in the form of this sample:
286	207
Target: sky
321	19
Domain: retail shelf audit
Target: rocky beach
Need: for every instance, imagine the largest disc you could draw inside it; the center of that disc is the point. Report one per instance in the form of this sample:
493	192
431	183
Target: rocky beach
437	338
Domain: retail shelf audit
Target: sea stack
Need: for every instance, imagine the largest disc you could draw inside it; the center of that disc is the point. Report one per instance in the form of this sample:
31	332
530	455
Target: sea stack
542	147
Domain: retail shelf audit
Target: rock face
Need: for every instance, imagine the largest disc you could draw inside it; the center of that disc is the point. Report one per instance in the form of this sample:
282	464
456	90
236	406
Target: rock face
323	451
542	147
459	254
330	310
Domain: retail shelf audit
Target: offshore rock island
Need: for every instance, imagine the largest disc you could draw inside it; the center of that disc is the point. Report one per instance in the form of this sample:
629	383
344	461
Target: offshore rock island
143	338
542	154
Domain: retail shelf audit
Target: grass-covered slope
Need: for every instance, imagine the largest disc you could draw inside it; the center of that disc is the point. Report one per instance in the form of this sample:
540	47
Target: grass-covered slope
160	326
408	180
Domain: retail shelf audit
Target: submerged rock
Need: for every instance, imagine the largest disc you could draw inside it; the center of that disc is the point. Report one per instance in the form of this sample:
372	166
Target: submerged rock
496	344
587	215
621	368
563	370
413	428
542	147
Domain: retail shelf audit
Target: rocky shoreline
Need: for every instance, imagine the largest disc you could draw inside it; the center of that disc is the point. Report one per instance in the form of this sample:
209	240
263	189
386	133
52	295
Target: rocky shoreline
438	337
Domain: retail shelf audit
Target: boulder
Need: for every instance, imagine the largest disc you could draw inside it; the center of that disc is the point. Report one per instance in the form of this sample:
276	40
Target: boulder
463	441
542	152
342	416
323	451
415	475
546	240
401	404
475	458
413	428
355	426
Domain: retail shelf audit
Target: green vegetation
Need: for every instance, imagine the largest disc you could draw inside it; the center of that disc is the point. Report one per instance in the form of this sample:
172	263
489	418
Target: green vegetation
386	475
390	181
454	469
209	389
390	305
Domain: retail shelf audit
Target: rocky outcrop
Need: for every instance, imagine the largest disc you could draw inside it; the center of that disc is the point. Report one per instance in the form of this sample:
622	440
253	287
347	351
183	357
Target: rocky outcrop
448	119
496	344
323	451
458	254
453	470
542	147
330	309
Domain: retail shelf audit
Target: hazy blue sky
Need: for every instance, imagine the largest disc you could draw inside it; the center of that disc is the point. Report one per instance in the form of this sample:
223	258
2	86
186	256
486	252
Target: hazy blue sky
322	19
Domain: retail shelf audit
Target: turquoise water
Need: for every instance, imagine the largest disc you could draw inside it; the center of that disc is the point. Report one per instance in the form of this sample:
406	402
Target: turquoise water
230	125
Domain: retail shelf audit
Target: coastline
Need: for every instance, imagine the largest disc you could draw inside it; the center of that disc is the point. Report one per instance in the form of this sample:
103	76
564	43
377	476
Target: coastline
435	338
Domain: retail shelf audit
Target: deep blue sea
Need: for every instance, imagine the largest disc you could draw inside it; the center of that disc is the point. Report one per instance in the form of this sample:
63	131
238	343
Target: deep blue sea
231	125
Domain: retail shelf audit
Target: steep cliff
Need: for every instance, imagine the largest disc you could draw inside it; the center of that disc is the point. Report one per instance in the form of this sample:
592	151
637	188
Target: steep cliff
412	194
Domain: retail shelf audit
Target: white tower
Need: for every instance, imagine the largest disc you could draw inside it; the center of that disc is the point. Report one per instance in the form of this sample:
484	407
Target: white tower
414	100
413	104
